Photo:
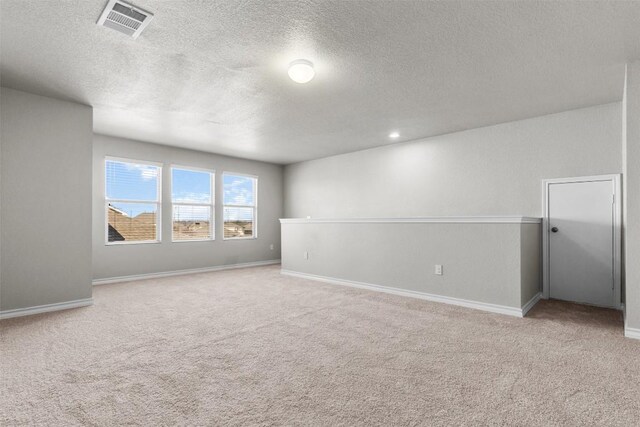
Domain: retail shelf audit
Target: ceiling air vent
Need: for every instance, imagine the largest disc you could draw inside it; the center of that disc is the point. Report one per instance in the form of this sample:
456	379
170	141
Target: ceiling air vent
125	17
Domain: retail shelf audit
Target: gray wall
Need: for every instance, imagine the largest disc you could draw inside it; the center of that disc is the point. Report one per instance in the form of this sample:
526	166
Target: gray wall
495	170
46	200
125	260
531	261
481	262
631	184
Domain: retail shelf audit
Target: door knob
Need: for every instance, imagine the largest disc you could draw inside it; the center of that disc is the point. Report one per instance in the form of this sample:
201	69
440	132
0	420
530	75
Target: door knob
554	229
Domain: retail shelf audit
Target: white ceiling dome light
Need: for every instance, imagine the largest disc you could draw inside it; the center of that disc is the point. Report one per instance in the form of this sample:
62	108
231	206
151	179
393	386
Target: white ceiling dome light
301	71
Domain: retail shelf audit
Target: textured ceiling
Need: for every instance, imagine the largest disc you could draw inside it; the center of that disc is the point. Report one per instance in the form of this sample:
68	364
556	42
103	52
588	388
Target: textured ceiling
211	75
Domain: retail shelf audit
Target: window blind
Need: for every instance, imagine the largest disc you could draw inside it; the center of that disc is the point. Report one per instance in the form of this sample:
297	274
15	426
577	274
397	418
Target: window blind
240	207
132	201
192	196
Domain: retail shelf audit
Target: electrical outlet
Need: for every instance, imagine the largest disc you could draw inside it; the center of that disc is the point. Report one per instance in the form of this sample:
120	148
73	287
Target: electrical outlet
438	270
271	246
306	255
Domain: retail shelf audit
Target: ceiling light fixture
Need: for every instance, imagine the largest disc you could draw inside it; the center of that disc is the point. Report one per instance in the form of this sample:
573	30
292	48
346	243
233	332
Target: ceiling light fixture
394	135
301	71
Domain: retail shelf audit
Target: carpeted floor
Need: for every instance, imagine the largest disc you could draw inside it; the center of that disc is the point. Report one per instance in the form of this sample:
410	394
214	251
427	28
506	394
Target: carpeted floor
252	347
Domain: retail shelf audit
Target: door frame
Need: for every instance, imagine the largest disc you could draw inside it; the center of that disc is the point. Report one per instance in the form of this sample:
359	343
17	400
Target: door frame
617	229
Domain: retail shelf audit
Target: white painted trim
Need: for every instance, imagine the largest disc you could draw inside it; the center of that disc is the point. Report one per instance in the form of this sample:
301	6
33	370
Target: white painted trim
28	311
629	332
191	168
193	240
136	161
617	230
228	239
493	308
433	219
632	333
132	242
532	302
97	282
246	175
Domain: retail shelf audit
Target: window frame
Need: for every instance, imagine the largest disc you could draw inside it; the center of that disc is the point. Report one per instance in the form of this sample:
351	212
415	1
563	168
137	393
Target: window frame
254	232
212	204
158	202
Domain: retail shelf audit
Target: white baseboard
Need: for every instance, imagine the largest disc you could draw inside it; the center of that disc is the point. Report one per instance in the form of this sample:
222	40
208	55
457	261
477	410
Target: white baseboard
6	314
493	308
533	301
632	333
134	277
628	331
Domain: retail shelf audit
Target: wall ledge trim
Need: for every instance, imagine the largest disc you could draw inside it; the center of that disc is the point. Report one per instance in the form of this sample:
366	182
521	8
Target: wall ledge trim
492	308
120	279
28	311
432	219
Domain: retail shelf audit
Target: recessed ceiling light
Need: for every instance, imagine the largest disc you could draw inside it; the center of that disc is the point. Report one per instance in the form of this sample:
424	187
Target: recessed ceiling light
394	135
301	71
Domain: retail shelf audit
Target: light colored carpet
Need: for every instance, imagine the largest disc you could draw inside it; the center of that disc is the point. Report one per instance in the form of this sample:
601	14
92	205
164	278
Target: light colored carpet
251	347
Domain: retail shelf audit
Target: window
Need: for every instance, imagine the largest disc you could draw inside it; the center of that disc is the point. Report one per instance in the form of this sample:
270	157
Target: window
132	201
240	204
193	204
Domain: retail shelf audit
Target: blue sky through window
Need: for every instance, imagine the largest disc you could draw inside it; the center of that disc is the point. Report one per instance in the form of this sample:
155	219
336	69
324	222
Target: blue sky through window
238	190
188	186
134	209
131	181
139	182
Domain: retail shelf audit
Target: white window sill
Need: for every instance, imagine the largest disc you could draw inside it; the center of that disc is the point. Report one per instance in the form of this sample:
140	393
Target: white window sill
137	242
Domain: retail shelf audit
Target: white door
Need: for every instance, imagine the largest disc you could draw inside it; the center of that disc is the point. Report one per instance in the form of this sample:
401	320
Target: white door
581	221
